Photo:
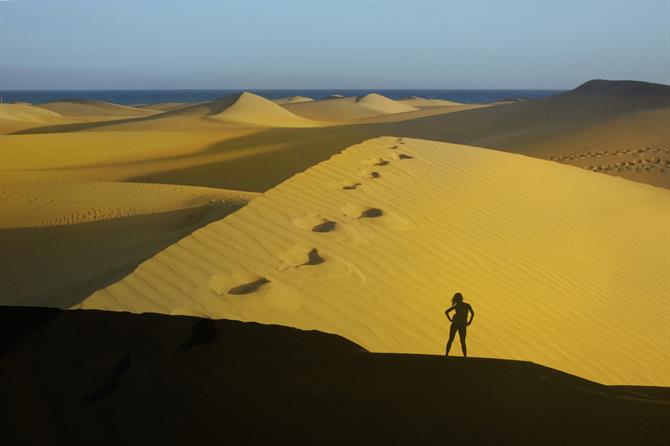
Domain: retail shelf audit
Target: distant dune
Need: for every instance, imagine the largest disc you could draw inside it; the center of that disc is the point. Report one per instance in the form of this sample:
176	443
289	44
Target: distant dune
93	377
165	106
372	243
60	241
342	109
419	102
85	107
28	113
246	108
623	134
292	100
14	117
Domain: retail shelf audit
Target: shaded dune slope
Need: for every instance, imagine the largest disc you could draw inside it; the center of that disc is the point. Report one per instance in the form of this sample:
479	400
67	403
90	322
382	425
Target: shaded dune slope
372	243
62	241
97	377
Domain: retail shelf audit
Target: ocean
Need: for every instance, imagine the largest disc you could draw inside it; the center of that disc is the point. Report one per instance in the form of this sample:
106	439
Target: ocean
137	97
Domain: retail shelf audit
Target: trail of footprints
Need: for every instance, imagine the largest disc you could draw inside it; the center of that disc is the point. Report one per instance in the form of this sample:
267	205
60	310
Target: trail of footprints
639	160
313	256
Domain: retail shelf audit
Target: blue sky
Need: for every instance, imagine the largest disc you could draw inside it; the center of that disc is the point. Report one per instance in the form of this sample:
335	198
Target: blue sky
330	44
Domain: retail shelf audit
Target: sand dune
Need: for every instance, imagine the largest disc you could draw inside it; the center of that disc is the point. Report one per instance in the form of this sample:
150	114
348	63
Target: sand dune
292	100
61	240
568	128
85	107
246	108
419	102
18	116
344	109
372	243
92	377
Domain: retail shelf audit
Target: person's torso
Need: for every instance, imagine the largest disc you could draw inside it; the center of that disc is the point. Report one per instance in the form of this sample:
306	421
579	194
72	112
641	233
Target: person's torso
461	316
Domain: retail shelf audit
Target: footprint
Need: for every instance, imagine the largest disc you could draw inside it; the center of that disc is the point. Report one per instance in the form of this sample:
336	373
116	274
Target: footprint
325	226
313	258
403	156
371	213
374	175
352	186
381	163
300	255
314	222
248	288
393	147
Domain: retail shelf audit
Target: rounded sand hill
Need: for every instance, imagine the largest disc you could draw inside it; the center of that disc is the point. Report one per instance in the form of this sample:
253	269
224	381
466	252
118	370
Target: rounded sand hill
246	108
564	267
341	108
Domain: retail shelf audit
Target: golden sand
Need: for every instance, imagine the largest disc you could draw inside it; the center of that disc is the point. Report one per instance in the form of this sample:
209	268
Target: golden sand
372	243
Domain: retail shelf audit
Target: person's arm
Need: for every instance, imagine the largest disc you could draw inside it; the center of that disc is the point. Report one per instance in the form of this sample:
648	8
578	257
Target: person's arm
449	310
472	315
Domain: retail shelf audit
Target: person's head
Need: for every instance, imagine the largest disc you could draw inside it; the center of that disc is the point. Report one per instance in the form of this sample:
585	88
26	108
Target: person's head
457	299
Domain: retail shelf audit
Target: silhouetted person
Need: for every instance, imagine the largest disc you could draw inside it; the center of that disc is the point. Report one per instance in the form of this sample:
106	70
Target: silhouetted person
459	322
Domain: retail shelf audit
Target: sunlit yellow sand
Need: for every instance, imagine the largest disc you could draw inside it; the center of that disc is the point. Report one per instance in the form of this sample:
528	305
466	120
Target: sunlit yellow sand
563	266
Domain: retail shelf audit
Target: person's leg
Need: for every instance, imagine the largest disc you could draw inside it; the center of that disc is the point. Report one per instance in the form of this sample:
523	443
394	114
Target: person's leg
452	335
462	332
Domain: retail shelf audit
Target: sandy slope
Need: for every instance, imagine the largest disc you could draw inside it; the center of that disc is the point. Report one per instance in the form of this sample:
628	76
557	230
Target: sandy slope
83	107
345	109
94	377
15	117
552	257
419	102
60	241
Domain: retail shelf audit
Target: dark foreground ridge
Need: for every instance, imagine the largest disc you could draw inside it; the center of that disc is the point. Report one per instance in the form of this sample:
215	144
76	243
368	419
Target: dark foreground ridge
93	377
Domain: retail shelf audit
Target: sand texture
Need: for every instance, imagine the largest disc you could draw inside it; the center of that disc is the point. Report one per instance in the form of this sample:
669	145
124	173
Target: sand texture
564	267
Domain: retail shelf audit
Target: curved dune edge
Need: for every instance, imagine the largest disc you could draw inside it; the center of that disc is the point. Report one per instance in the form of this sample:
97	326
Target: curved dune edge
27	113
564	267
25	205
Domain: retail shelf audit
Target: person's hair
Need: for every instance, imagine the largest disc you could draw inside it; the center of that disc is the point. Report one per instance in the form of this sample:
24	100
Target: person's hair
458	298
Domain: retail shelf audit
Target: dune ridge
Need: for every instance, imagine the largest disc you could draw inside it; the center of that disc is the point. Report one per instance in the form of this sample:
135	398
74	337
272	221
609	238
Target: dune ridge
372	243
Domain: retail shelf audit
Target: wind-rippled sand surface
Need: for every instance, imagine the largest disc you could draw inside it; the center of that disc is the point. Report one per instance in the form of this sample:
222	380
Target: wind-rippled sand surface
564	267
